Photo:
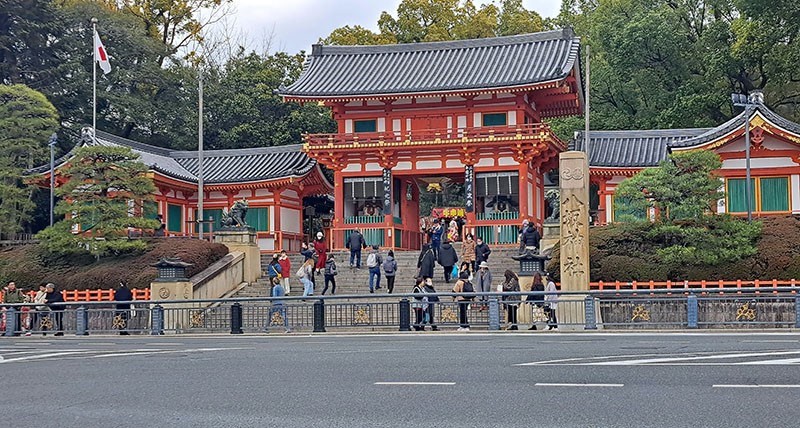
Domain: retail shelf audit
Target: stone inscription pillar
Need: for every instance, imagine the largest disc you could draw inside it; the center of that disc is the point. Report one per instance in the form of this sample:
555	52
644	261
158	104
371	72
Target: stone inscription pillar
574	234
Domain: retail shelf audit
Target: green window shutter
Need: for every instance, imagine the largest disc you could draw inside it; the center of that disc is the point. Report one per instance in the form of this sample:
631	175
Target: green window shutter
494	119
737	195
365	125
216	214
174	218
774	194
258	218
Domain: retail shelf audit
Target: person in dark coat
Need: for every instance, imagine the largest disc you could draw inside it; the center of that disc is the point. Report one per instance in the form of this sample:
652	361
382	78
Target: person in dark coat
447	258
55	301
426	262
355	242
123	294
436	236
531	236
482	251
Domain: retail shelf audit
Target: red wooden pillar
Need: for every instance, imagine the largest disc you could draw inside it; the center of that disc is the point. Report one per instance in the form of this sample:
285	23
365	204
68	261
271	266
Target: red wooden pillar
523	189
276	207
338	206
601	207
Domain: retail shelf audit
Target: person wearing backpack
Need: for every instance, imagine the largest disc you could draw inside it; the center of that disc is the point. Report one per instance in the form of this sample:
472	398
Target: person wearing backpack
426	262
447	258
304	274
463	286
330	275
390	269
374	262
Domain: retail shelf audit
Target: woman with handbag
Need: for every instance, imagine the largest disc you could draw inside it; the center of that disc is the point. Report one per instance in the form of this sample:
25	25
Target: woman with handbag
552	303
536	300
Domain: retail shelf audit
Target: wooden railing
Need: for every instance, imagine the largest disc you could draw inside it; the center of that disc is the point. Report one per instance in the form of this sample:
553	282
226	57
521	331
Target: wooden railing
93	295
691	285
526	131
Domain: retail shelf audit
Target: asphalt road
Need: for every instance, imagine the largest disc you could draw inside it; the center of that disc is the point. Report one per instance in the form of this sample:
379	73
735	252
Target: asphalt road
430	380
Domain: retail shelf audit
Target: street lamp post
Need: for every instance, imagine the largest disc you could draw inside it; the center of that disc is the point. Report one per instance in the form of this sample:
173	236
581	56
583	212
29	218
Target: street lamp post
741	100
52	144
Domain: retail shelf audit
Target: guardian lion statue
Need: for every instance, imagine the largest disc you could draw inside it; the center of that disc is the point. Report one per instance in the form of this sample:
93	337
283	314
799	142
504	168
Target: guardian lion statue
553	198
235	217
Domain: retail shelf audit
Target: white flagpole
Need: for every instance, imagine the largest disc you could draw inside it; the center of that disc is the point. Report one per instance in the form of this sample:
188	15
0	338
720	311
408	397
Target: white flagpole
94	80
200	152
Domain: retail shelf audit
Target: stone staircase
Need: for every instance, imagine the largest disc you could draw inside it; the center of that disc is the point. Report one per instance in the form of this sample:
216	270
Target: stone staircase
356	281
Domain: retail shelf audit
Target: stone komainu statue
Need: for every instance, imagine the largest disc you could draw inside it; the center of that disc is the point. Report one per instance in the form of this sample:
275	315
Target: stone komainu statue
235	217
553	197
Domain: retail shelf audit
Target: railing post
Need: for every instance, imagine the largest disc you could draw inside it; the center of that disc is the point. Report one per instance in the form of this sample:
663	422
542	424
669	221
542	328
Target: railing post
691	311
319	316
11	321
797	311
81	322
405	315
157	320
494	314
236	319
589	313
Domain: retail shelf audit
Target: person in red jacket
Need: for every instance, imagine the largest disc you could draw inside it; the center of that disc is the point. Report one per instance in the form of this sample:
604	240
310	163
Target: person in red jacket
286	269
321	248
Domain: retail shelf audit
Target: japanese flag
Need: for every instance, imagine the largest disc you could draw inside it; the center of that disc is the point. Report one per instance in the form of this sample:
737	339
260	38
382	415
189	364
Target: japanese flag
100	54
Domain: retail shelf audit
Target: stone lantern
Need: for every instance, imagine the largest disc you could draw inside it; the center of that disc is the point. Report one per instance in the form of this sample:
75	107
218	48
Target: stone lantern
530	263
171	270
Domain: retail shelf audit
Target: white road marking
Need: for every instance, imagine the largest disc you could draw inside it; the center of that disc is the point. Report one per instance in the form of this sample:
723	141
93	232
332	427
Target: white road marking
151	352
677	359
755	386
416	383
612	385
769	362
40	356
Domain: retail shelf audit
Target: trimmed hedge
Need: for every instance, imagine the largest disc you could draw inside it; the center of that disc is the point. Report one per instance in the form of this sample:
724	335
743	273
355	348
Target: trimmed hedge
30	266
625	252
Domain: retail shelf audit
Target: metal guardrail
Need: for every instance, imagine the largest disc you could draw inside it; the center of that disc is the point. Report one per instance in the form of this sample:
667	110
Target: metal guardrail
623	309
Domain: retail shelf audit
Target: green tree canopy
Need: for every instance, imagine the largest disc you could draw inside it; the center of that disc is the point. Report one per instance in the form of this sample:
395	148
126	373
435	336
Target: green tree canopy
27	119
105	193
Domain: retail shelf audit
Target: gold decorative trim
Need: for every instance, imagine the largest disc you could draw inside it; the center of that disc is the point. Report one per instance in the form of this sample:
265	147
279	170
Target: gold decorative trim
746	312
449	315
640	313
360	316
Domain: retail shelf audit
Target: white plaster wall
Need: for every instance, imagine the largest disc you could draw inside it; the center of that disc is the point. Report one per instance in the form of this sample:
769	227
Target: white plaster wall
408	123
373	166
454	163
396	128
512	117
506	161
795	183
271	215
721	202
243	194
216	195
171	194
263	192
381	124
348	126
266	244
353	167
530	199
431	164
485	162
402	166
609	209
290	193
757	163
290	220
421	100
477	120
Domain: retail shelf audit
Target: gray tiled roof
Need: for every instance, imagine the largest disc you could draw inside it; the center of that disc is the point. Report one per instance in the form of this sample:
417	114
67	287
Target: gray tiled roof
631	149
489	63
736	123
219	166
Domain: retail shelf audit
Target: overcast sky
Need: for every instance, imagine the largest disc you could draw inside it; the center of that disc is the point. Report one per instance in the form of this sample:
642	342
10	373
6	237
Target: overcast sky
296	24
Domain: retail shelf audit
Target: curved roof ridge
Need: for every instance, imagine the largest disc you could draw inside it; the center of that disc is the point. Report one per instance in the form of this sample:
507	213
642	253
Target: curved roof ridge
239	152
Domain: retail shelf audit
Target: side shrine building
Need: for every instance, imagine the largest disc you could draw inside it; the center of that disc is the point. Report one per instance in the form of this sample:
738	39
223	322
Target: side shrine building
274	180
467	111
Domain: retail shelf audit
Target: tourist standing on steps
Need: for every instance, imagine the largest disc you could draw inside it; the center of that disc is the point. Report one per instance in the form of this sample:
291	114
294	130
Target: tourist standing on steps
374	262
355	242
321	250
123	294
390	270
277	307
551	302
463	286
511	285
520	239
55	301
483	281
286	271
274	269
468	251
330	275
305	274
466	267
308	253
426	262
482	251
447	259
531	238
431	300
436	237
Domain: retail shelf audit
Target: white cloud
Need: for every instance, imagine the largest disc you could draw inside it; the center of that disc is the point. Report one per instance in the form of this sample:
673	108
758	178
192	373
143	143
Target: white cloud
297	24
